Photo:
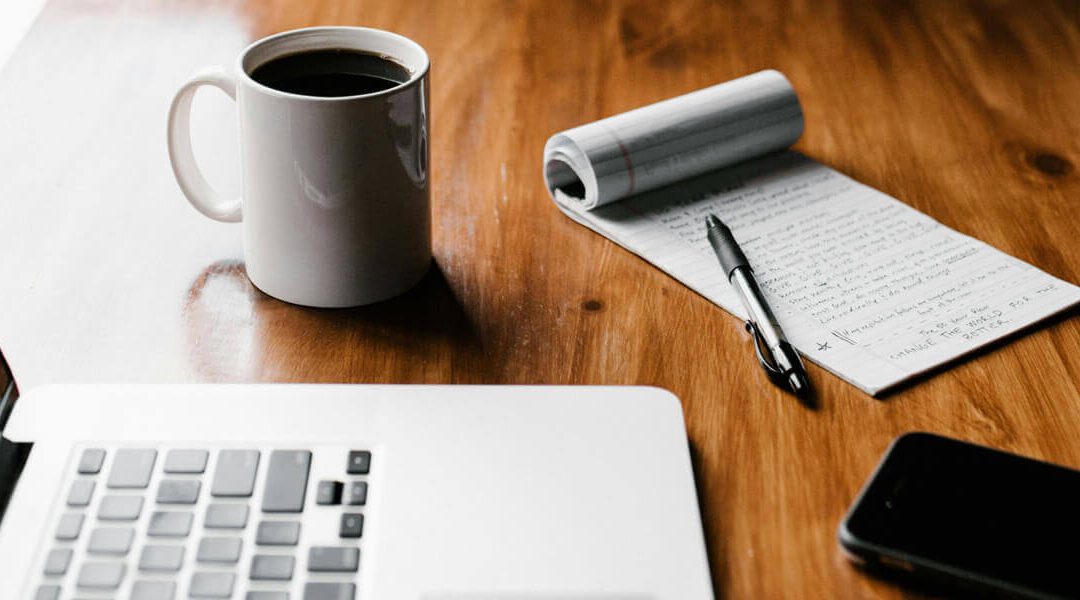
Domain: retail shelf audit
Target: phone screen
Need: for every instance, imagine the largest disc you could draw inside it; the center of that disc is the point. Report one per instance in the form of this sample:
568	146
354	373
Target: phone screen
995	515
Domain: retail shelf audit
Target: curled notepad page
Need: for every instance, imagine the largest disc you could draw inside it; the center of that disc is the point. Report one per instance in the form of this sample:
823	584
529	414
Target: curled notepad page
656	145
864	285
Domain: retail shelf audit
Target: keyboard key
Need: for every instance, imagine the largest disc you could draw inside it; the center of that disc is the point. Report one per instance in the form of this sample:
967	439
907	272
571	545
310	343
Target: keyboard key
333	559
91	460
286	481
267	596
131	468
352	525
357	495
329	591
178	491
57	562
110	540
359	462
153	590
235	473
186	461
211	585
161	558
278	533
272	567
82	490
103	575
226	516
120	508
170	524
69	526
219	550
48	592
328	492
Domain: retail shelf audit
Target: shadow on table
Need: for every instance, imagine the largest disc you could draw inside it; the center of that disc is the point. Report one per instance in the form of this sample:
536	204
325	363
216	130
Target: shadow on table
714	548
237	333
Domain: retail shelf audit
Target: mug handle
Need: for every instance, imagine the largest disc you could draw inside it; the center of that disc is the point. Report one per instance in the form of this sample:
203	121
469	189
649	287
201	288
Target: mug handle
202	196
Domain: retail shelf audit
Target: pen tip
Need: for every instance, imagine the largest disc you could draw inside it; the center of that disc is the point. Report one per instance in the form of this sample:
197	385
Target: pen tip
799	384
712	221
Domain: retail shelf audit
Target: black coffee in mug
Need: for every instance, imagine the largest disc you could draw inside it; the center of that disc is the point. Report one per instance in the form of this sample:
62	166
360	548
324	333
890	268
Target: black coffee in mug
331	73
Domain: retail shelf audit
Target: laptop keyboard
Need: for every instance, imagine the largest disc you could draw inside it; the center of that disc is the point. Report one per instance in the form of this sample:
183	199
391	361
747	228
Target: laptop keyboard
212	522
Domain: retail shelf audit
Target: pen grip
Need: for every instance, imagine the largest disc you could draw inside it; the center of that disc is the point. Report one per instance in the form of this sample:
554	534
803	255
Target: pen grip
727	250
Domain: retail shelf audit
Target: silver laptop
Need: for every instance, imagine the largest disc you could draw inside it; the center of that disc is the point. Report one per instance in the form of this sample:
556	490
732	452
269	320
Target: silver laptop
338	492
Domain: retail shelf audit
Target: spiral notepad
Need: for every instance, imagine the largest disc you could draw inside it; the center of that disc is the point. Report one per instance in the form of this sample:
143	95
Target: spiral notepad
864	285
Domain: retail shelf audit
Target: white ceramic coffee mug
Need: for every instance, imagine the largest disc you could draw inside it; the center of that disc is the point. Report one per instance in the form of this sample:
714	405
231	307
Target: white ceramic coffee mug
335	203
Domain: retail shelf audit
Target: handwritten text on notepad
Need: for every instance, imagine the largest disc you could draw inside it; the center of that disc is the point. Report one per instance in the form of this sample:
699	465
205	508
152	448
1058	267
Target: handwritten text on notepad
863	284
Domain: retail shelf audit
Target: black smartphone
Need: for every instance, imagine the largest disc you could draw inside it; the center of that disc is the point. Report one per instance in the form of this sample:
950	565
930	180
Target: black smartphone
969	517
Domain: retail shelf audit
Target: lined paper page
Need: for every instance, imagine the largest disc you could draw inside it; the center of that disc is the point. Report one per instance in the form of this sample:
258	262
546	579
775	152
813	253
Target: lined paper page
862	284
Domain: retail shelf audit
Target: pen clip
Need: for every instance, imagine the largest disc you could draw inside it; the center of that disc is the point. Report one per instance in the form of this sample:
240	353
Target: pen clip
770	366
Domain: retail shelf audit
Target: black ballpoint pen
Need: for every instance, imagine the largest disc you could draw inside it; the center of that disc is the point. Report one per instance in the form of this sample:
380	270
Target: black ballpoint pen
783	364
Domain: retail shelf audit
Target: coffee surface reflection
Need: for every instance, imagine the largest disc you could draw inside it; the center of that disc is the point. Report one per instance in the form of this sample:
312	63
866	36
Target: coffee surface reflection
331	73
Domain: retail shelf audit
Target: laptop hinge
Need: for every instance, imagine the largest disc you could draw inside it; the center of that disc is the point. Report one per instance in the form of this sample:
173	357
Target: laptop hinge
12	454
13	457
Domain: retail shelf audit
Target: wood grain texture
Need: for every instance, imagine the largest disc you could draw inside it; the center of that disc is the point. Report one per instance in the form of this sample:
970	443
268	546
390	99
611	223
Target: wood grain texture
5	375
964	110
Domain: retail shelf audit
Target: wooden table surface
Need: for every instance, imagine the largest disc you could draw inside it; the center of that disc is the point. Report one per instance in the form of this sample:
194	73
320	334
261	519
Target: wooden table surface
966	111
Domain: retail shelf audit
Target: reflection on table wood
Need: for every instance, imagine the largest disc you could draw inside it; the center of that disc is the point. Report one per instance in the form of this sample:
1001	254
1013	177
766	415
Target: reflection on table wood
5	377
965	111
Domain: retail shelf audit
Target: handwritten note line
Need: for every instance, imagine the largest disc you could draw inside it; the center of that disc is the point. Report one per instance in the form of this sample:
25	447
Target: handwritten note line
865	286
